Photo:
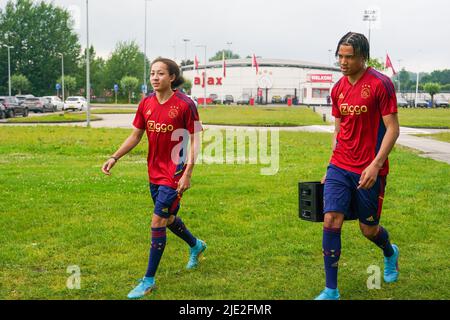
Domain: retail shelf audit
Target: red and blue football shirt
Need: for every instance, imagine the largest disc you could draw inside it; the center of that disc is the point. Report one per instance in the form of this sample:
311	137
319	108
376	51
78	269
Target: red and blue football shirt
166	158
361	107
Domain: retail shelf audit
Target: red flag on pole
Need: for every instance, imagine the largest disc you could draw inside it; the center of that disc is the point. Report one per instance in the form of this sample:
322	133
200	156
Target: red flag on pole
255	63
389	64
224	65
196	63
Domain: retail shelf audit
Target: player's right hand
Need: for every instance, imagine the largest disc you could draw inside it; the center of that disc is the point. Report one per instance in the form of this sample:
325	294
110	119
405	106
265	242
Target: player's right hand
323	179
107	166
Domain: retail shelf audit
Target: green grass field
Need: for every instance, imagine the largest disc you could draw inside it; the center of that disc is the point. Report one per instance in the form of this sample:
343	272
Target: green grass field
252	116
57	210
260	116
443	136
425	118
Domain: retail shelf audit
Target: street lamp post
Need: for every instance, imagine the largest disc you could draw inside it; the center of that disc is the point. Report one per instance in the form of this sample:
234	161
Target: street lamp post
370	15
88	76
9	67
417	89
205	81
185	50
145	46
62	74
229	48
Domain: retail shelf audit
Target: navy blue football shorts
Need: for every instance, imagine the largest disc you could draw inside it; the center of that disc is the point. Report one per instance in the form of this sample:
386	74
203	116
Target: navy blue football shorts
166	200
341	195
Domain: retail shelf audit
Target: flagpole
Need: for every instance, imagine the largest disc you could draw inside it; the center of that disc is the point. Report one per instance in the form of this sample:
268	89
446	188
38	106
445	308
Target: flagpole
205	80
223	65
417	89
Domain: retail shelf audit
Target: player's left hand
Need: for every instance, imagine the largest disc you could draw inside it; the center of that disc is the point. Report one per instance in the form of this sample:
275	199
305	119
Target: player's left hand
369	177
184	184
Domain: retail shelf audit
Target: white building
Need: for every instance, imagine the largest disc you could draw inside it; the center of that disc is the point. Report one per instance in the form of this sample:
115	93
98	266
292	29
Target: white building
310	83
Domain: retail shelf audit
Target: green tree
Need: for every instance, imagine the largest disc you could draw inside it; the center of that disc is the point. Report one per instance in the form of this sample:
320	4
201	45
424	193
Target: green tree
186	63
129	84
404	78
187	86
432	88
438	76
20	83
38	31
376	64
70	84
125	60
228	55
97	71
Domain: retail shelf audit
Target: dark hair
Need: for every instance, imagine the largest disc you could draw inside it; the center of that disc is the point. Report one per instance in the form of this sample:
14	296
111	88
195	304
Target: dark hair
173	69
359	43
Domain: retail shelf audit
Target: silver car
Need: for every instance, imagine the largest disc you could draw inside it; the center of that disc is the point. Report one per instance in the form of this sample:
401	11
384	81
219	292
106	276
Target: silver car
56	102
441	102
401	102
37	104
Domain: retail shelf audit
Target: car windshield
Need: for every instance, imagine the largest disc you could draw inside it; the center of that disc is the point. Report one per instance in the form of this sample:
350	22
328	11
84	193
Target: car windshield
72	99
31	99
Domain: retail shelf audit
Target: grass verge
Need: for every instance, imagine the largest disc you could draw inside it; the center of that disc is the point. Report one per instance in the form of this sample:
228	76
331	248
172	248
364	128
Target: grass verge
58	210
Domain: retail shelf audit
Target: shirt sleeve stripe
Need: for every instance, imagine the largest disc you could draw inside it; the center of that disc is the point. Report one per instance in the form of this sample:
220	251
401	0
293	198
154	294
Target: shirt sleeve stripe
190	103
385	80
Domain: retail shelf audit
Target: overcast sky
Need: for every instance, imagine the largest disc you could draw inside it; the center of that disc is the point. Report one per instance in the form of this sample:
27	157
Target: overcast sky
416	32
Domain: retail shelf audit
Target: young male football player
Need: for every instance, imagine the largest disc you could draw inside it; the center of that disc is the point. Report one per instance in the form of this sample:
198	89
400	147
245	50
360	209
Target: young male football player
366	128
171	121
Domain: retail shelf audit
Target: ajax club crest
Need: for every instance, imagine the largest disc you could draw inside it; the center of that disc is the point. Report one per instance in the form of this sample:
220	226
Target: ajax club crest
365	92
173	112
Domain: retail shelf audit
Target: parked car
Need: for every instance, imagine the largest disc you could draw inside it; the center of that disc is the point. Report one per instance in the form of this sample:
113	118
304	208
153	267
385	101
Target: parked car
228	99
12	107
244	100
75	103
401	102
441	102
214	98
56	102
277	99
2	111
38	104
22	97
421	103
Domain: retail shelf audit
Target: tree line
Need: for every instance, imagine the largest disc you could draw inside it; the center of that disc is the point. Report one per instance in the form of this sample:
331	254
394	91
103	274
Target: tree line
41	36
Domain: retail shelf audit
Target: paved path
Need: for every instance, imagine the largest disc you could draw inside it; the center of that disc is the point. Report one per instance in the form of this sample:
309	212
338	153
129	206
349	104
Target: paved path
430	148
